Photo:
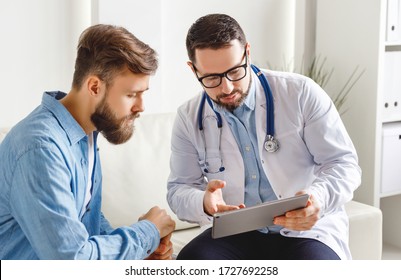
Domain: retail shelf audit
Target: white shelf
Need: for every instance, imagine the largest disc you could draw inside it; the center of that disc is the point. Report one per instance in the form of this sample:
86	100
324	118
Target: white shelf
366	118
388	194
393	44
391	119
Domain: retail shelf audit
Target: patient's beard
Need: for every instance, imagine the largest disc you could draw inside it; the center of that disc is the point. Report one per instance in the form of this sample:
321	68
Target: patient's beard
116	131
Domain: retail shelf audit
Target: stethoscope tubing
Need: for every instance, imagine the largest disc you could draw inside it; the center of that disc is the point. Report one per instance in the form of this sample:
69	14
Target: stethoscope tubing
269	101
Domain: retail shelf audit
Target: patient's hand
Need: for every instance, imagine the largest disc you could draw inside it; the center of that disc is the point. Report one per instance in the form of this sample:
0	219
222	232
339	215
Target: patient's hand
213	201
159	217
164	251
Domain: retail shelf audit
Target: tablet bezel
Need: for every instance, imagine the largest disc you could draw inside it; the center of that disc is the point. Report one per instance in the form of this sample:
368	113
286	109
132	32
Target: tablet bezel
254	217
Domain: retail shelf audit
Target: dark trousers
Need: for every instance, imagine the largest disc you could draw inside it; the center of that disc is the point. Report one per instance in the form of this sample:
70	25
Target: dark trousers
255	245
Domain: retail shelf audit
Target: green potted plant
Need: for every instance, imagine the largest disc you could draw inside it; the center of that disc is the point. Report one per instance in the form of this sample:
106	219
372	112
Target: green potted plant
317	71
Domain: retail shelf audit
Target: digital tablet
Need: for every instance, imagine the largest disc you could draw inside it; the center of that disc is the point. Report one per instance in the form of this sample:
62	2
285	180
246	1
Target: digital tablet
254	217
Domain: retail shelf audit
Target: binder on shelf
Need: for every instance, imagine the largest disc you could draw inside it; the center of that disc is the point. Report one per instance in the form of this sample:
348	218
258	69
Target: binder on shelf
391	104
393	28
391	157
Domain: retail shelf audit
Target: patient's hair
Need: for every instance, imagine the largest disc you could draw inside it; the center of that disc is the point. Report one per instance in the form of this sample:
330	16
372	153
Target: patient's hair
106	50
213	31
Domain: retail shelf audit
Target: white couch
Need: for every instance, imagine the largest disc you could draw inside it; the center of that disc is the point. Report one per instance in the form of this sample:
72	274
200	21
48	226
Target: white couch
135	176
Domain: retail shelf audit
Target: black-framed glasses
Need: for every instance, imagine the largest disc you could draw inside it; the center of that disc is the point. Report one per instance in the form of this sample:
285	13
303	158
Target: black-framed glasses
233	74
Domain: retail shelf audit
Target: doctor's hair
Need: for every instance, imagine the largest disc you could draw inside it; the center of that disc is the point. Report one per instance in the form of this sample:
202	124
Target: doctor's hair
213	31
107	50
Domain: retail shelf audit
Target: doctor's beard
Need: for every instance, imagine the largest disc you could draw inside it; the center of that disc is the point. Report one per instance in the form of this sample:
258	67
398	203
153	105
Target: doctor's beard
232	106
116	131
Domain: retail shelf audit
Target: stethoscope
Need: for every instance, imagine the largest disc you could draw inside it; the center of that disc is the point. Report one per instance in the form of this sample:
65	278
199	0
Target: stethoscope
271	144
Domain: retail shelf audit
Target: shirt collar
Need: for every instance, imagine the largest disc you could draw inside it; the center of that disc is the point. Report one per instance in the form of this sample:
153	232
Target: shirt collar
74	131
250	99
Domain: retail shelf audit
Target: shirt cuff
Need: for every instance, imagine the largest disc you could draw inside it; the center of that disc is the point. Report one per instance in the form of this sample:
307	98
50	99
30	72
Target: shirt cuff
204	219
149	235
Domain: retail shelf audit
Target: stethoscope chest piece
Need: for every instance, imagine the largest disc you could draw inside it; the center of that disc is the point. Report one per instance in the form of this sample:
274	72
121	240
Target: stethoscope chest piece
271	144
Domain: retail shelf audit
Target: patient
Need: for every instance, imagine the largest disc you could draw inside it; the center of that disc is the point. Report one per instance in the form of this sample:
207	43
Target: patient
50	174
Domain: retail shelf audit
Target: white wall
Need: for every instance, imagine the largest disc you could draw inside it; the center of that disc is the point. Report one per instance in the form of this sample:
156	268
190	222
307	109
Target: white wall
36	51
39	40
268	24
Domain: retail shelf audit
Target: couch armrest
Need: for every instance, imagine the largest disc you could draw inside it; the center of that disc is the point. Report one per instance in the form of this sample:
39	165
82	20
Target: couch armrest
365	231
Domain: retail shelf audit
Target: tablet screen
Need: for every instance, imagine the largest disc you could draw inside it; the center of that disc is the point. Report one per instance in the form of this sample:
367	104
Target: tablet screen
254	217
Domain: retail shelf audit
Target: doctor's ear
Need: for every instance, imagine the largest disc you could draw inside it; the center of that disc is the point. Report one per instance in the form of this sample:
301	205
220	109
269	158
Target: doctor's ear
248	50
191	65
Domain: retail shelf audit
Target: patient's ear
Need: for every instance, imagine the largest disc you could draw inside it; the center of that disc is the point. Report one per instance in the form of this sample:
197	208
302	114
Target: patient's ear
94	86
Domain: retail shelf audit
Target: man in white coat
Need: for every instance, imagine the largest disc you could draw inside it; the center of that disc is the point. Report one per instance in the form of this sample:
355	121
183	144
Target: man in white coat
253	136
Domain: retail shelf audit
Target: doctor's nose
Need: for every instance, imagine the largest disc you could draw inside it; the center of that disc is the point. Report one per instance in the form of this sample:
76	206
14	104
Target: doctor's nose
226	85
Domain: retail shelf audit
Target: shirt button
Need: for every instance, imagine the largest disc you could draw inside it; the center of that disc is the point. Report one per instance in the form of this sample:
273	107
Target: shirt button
279	196
247	148
263	161
253	176
148	252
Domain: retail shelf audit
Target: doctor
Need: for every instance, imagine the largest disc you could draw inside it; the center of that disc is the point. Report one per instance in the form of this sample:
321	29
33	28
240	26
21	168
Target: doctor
257	135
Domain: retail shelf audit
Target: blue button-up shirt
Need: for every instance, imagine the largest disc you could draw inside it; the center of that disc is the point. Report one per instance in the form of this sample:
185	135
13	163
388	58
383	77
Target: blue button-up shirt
43	178
243	126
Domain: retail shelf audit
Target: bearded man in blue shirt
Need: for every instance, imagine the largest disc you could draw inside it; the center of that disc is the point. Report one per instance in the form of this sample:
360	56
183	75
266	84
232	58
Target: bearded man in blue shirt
50	175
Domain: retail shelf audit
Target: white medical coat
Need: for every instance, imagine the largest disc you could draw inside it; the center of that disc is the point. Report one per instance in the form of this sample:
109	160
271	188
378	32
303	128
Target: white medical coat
315	153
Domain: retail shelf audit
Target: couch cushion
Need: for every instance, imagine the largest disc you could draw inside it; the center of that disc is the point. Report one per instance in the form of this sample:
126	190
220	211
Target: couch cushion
181	238
135	173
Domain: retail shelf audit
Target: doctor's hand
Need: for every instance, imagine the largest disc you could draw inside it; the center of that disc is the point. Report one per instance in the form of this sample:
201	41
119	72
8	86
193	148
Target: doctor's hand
213	201
164	251
300	219
159	217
